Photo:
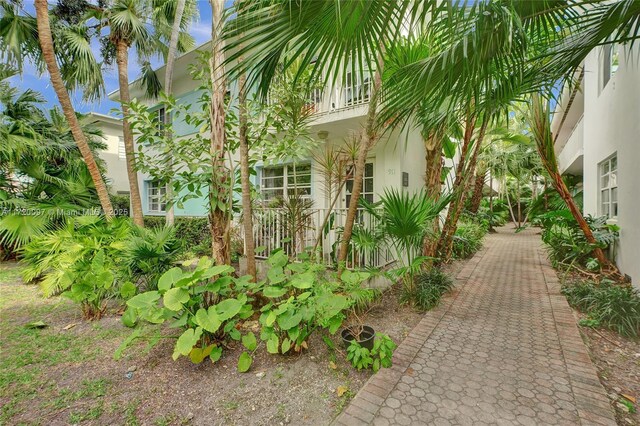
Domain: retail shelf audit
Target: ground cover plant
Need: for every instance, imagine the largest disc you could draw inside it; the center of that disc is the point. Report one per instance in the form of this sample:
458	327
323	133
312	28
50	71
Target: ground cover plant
467	239
429	287
607	304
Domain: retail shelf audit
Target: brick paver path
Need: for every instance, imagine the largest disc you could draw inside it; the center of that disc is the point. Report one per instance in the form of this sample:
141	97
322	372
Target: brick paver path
502	349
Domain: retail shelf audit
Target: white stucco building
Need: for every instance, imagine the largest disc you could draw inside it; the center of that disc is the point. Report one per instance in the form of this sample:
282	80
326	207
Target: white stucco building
114	155
597	127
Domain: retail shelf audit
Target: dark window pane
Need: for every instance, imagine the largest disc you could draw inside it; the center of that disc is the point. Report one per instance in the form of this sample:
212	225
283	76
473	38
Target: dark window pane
368	170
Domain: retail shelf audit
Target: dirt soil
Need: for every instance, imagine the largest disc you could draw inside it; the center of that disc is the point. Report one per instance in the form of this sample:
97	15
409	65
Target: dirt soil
65	373
617	360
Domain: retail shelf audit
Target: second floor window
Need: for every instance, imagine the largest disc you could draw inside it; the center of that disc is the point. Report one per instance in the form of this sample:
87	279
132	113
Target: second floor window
610	62
282	181
608	184
156	197
159	118
122	153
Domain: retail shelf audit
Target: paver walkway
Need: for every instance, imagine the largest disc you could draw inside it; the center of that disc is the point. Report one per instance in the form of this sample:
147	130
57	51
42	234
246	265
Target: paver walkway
503	349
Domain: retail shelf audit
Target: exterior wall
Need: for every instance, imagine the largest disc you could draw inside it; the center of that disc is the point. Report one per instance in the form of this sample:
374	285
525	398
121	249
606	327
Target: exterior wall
114	160
600	123
612	126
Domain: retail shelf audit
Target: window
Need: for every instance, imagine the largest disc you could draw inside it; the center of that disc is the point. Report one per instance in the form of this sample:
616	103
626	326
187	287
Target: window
281	181
367	191
608	172
357	88
610	62
122	153
159	118
156	196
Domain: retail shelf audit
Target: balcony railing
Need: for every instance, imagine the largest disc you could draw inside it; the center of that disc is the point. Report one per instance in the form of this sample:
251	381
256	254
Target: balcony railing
318	232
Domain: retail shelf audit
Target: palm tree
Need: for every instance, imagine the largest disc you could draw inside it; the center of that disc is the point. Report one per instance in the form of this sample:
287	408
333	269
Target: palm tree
176	29
220	188
49	56
541	129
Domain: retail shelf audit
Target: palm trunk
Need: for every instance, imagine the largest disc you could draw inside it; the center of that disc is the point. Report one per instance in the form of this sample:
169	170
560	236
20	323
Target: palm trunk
445	245
168	89
247	211
478	187
219	193
366	143
433	181
513	216
46	44
122	60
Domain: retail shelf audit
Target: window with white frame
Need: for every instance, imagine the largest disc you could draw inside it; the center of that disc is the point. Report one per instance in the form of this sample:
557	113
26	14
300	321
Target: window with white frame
367	187
286	181
159	117
608	173
122	153
610	62
156	196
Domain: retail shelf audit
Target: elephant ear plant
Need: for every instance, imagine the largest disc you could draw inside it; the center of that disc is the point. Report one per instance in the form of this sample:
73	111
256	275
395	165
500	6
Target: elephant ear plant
301	299
181	298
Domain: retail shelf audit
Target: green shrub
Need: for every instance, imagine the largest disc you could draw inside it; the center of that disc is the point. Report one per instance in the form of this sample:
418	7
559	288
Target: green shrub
302	298
193	232
121	204
378	357
89	259
610	305
467	239
206	310
81	259
566	242
429	286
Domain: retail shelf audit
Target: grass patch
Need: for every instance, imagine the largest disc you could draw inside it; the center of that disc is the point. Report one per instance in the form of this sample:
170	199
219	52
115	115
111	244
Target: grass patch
428	288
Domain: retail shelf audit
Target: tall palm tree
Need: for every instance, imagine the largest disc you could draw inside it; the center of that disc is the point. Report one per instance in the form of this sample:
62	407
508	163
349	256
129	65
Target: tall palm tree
540	124
49	57
176	29
220	188
126	20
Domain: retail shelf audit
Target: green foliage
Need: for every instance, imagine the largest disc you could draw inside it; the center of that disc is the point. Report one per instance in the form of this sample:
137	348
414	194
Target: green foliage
467	239
120	204
378	357
92	260
193	232
610	305
302	298
429	286
566	243
205	303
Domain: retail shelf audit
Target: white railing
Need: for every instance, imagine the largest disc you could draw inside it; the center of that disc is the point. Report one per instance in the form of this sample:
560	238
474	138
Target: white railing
318	232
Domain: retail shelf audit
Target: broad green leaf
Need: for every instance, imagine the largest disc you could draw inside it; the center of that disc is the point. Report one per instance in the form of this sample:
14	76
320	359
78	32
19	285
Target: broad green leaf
244	362
169	278
105	279
273	291
144	300
197	355
289	319
278	259
272	344
217	270
128	290
276	275
175	298
271	318
129	318
286	345
228	308
249	341
216	353
303	281
186	342
208	320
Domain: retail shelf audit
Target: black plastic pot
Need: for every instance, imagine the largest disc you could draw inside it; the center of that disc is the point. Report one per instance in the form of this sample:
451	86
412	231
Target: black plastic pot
365	337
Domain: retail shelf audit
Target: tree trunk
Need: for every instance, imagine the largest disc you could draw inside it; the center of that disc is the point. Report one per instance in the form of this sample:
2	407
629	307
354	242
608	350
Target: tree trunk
445	245
122	60
46	44
168	89
478	187
366	143
433	182
219	193
247	211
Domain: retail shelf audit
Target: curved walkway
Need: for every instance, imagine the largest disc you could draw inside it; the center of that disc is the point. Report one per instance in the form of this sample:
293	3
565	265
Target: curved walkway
502	349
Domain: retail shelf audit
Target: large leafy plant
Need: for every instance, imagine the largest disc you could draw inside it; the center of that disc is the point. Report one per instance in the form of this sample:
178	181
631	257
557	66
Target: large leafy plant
206	303
379	356
302	298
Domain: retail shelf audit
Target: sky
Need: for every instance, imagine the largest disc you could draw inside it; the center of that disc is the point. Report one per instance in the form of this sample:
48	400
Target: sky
31	79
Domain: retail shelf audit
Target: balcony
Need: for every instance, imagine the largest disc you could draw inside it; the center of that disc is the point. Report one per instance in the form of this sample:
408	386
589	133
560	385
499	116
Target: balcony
571	151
